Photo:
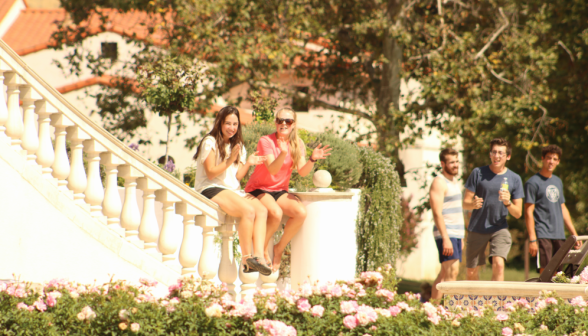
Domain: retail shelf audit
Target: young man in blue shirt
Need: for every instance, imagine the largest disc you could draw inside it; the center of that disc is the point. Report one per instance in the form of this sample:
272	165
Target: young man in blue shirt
545	209
491	203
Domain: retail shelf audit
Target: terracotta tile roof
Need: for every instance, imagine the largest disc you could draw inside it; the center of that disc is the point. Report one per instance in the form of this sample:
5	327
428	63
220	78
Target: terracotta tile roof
32	30
5	6
107	80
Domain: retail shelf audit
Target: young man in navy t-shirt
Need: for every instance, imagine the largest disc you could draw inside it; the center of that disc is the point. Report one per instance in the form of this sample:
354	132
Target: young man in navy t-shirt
545	209
485	194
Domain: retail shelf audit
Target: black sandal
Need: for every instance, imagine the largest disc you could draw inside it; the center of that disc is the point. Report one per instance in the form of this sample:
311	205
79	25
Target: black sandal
252	265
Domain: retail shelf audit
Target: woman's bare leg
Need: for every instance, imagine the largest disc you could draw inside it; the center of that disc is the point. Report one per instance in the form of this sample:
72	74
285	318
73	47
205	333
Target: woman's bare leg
259	225
274	217
293	208
236	206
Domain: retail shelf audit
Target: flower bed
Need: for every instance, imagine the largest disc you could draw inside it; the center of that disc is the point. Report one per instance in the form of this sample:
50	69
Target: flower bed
365	306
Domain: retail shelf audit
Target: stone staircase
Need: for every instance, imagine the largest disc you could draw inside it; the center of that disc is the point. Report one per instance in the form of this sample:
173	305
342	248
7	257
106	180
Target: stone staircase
45	193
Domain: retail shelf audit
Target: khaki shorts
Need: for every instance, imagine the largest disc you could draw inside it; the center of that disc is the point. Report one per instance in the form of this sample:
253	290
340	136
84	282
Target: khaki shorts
500	243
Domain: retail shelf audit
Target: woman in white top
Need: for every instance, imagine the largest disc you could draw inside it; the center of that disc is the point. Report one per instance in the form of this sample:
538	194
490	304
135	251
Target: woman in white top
220	164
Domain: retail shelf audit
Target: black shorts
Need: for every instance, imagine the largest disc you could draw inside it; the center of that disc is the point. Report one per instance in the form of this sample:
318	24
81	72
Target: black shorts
547	249
211	192
274	194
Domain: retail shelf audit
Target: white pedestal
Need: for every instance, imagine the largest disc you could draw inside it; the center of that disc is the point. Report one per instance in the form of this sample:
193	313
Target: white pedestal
325	248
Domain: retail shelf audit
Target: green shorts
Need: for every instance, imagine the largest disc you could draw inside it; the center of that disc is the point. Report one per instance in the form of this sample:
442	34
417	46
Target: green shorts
500	243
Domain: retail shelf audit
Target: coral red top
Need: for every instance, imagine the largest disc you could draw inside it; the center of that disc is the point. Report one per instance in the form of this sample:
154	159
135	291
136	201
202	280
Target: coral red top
261	178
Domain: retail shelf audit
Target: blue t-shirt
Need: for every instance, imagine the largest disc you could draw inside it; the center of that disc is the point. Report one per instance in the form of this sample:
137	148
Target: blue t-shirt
547	195
491	217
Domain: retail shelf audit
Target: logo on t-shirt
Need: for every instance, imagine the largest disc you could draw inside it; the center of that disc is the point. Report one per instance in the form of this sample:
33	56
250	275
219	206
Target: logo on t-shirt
552	193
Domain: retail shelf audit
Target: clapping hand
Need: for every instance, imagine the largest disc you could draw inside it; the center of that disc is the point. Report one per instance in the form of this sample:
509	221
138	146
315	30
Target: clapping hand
320	153
255	160
283	145
235	152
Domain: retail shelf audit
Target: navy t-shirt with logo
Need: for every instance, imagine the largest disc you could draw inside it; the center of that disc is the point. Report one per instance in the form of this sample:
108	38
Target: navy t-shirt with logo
491	217
547	195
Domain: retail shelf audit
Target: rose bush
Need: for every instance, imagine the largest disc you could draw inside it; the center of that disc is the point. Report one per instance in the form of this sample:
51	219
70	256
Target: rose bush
368	305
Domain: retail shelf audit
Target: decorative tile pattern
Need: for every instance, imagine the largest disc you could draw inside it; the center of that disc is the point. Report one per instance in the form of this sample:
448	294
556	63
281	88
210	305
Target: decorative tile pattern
498	302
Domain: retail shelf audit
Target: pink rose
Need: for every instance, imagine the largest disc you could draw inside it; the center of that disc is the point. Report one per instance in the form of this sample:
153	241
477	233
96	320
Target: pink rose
348	307
434	318
22	305
551	300
506	331
394	310
318	311
502	317
365	315
40	305
51	301
303	305
19	292
350	322
578	301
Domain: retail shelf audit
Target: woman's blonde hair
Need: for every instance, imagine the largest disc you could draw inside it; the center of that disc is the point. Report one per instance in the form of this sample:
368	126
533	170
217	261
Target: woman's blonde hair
295	150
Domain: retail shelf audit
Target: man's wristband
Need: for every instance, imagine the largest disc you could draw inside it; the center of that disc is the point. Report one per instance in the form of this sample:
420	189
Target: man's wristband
509	204
533	241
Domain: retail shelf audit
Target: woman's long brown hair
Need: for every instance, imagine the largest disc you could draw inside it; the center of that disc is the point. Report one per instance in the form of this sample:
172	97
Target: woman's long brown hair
217	133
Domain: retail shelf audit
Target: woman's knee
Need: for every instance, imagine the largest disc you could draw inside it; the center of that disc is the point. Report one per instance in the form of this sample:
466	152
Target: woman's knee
261	212
275	213
299	211
248	212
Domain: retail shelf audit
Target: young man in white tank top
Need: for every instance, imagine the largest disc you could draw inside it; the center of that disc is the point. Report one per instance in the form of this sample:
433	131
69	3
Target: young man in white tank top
445	198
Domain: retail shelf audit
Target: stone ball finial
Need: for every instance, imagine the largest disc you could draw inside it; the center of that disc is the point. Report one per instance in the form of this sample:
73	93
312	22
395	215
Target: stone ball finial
322	179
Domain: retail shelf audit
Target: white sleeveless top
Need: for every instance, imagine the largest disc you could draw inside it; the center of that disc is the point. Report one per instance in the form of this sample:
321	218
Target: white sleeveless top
452	211
228	178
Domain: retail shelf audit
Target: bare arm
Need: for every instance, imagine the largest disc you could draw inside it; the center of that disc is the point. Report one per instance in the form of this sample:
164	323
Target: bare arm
274	164
569	224
304	167
436	196
212	170
530	222
253	160
516	208
471	201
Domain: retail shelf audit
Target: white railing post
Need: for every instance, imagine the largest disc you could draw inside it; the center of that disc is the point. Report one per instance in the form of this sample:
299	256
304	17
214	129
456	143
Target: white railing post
14	124
188	250
228	269
94	190
167	244
77	180
112	205
45	153
3	108
130	217
249	281
60	165
149	228
207	265
269	281
30	137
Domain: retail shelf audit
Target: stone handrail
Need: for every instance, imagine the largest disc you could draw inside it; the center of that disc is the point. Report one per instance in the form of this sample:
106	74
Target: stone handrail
85	188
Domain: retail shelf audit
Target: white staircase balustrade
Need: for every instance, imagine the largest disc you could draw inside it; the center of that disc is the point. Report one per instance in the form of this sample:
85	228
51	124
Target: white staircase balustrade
91	144
248	281
3	107
228	269
14	124
167	243
61	167
77	180
112	205
30	136
45	153
207	264
188	250
94	190
149	228
130	217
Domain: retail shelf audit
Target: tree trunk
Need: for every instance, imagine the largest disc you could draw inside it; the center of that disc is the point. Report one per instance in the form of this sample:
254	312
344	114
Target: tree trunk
389	95
169	120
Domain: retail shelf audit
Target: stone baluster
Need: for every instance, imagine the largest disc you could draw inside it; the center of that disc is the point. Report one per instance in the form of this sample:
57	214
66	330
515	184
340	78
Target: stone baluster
249	281
188	250
112	205
61	167
228	268
30	137
3	108
207	265
149	228
167	244
14	124
77	180
94	190
45	153
130	217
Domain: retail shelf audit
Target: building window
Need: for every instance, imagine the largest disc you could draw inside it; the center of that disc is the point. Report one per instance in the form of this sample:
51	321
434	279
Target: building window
109	50
300	104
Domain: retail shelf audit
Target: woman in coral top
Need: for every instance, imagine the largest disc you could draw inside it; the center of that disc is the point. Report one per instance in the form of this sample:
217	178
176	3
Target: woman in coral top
221	161
269	182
